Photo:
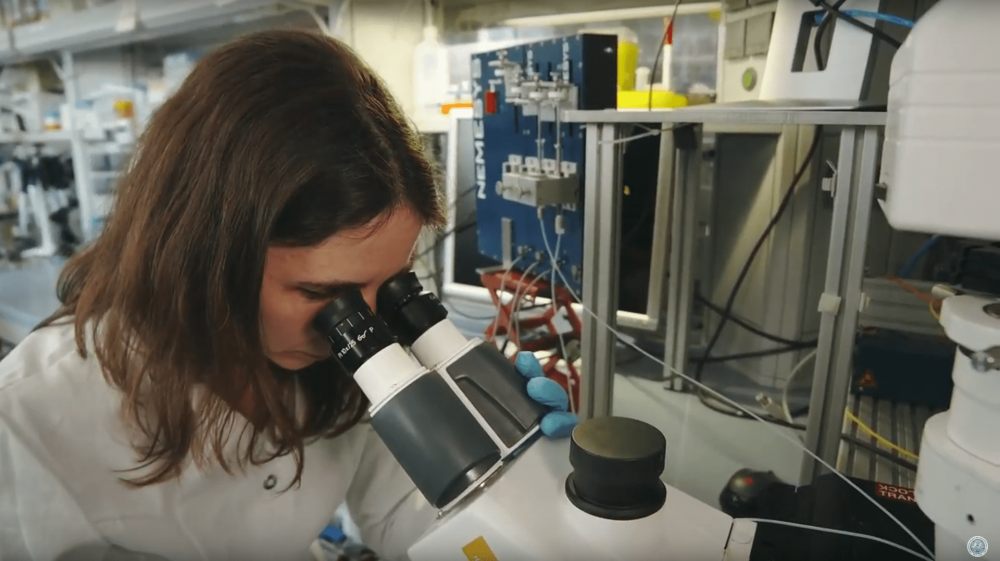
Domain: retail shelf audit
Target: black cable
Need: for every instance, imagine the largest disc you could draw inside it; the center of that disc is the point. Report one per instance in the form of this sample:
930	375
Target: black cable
630	360
656	62
731	301
879	452
457	229
725	358
749	354
878	33
732	412
441	238
867	446
824	24
753	329
736	413
646	210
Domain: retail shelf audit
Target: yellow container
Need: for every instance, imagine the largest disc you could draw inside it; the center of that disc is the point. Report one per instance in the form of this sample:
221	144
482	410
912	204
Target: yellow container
628	59
661	100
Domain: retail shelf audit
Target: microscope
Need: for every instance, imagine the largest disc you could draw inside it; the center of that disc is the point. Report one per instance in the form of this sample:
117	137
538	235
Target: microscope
941	141
456	415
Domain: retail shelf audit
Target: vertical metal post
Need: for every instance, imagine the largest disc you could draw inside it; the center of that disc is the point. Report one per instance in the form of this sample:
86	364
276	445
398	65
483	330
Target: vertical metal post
81	165
661	229
687	181
840	304
830	300
691	181
602	229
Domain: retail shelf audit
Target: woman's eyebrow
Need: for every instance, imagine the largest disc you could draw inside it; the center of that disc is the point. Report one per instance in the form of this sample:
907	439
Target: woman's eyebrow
332	287
338	287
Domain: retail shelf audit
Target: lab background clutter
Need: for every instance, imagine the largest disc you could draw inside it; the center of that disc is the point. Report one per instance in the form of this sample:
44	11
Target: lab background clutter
703	230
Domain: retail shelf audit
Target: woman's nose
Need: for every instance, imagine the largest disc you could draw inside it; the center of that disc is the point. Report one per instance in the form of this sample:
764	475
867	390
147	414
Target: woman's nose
370	296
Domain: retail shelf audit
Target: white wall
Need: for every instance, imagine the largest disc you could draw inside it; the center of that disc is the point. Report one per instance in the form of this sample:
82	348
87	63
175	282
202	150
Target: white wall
384	33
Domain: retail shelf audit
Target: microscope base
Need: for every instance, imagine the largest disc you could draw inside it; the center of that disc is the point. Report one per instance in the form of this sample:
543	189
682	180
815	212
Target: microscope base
959	492
523	513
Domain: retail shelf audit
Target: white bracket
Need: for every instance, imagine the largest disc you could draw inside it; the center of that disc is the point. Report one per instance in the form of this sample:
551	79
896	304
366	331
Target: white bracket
829	184
829	304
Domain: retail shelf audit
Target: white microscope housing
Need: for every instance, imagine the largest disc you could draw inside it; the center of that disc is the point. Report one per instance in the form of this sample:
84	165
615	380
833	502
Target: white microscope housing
462	426
942	145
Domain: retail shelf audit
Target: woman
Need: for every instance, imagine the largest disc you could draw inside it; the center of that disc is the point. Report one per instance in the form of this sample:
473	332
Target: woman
178	404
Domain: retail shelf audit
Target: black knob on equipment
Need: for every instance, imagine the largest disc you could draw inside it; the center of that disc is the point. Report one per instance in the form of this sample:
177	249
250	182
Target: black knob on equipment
617	463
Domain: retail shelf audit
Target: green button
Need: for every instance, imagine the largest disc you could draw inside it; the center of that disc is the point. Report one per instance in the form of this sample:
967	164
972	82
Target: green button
749	79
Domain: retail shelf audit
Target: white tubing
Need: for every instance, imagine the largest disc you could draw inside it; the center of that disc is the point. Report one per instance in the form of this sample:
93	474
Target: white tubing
385	373
438	344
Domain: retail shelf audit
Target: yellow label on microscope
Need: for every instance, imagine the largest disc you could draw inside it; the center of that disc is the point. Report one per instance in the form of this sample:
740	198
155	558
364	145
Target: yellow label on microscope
479	550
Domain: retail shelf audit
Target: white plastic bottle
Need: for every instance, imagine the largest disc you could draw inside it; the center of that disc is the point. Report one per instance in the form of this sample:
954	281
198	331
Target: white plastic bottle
430	75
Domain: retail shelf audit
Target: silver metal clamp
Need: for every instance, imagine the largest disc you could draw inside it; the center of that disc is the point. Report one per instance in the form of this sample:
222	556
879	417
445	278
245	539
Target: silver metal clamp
986	360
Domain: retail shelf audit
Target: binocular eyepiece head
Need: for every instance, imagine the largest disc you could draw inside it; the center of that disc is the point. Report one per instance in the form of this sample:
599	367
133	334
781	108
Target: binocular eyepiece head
405	312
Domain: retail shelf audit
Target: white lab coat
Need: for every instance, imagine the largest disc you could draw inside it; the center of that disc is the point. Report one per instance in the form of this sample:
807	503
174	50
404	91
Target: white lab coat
62	445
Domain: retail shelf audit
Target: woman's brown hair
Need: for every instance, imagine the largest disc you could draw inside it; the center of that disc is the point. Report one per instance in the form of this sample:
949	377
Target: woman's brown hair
282	137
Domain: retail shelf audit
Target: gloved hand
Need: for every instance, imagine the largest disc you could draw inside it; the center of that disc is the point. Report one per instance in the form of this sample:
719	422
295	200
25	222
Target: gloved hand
559	423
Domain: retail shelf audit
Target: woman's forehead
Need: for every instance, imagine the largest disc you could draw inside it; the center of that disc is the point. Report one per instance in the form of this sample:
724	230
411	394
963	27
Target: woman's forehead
358	255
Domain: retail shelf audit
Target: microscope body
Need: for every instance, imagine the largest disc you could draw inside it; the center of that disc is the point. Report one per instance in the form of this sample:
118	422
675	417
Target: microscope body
458	421
523	512
939	177
458	418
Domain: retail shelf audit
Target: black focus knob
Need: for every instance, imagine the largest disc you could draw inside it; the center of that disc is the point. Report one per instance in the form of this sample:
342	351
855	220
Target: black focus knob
617	463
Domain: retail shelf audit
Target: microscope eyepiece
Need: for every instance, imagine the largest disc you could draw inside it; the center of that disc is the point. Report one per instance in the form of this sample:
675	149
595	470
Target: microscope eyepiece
353	330
407	309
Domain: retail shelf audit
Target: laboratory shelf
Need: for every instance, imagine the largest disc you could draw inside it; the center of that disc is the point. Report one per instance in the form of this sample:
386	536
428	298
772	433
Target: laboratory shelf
123	22
162	19
46	137
69	32
761	113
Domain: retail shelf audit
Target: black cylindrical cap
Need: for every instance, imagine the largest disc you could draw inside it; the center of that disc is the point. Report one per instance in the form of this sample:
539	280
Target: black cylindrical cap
617	463
407	309
346	305
398	290
355	333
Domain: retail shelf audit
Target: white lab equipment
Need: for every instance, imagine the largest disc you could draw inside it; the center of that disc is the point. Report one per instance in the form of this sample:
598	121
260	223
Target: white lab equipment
847	77
32	207
461	424
642	75
941	143
431	76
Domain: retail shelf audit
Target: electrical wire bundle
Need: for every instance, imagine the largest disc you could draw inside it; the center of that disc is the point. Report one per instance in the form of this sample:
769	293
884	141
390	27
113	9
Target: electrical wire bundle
727	311
833	12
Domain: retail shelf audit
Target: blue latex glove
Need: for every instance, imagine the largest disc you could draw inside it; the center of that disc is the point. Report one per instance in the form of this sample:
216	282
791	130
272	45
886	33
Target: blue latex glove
558	423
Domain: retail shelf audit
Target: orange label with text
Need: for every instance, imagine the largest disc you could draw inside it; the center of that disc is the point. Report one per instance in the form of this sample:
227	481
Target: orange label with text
479	550
895	493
